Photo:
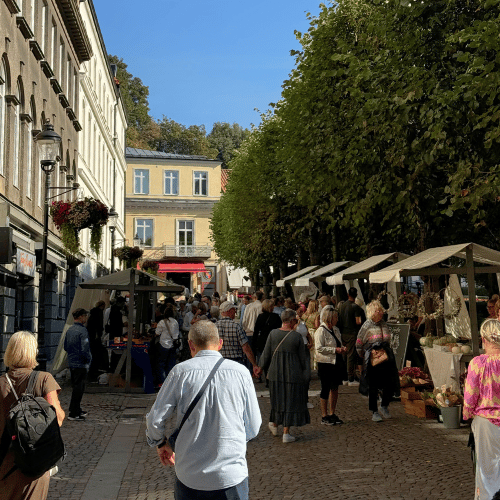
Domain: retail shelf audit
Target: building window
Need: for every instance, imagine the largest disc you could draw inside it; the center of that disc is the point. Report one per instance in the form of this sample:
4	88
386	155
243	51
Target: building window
141	181
3	78
200	183
44	26
60	73
17	139
53	40
185	233
144	231
32	15
171	182
29	155
69	80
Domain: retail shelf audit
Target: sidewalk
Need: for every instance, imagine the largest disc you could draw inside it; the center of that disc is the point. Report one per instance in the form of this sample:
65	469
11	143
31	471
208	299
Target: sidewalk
403	458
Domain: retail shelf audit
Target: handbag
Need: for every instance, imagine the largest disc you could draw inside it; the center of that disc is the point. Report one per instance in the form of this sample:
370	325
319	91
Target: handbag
173	437
378	356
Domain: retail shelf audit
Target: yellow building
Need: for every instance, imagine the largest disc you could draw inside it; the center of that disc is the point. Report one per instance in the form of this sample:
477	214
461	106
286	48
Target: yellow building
168	203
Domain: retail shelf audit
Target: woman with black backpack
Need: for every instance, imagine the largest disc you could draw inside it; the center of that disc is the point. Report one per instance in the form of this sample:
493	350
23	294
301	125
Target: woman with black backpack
20	359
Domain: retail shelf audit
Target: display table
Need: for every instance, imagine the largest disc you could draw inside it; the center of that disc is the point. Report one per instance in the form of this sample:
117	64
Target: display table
140	356
445	367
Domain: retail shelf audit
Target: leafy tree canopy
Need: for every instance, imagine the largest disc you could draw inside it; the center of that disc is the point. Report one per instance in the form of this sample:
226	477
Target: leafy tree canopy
227	139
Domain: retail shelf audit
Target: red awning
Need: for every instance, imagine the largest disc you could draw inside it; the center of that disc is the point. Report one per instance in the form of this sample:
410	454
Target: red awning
188	267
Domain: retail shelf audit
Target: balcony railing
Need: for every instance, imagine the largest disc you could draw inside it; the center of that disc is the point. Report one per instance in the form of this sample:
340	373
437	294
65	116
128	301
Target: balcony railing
204	251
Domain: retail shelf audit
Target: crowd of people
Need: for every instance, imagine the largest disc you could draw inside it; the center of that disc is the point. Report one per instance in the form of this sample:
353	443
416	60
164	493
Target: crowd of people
278	339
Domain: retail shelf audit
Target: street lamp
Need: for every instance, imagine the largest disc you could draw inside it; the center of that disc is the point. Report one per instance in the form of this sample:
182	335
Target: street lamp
48	143
113	217
137	241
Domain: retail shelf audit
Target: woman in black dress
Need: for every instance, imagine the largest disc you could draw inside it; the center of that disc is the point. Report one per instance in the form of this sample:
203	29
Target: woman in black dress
284	361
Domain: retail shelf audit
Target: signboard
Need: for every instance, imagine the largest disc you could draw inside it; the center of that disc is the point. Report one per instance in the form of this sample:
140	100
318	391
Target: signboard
26	263
399	341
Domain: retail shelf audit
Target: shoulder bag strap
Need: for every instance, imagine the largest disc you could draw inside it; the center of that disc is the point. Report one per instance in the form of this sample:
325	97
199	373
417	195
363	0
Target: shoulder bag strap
31	382
278	346
200	392
11	386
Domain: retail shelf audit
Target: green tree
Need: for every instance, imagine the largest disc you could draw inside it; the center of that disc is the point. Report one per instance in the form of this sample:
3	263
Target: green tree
226	139
135	98
176	138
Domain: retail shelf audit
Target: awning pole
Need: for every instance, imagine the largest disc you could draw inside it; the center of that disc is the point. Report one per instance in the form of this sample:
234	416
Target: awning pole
131	307
469	263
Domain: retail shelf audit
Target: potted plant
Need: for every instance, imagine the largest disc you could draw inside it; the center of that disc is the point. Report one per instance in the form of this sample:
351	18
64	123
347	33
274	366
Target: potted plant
71	217
449	403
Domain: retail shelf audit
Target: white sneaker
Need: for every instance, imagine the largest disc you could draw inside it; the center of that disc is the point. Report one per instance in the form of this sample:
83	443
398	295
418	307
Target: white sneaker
376	417
354	383
273	429
384	411
310	405
288	438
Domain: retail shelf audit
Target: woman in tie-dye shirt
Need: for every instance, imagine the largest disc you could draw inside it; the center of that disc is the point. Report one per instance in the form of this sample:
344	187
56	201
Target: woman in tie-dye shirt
482	403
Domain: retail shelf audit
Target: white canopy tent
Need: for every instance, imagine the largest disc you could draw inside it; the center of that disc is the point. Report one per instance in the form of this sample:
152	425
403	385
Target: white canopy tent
296	275
360	270
426	264
236	278
319	274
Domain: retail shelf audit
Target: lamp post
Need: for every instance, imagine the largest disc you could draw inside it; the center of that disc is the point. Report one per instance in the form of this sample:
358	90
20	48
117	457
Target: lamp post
113	217
48	143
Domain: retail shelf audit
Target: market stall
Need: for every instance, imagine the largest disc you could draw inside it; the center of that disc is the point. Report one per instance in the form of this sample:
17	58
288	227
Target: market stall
298	274
435	262
138	285
350	276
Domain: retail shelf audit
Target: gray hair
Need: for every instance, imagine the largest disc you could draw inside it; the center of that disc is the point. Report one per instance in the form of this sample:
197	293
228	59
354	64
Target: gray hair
204	333
327	314
214	312
287	315
373	307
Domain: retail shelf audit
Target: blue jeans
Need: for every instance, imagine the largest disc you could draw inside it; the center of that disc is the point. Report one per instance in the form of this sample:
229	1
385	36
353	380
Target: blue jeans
238	492
166	361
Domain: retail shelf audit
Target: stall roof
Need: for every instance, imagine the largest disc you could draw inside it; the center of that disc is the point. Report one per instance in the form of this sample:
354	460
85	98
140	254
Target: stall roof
419	263
363	266
236	277
318	273
296	275
121	281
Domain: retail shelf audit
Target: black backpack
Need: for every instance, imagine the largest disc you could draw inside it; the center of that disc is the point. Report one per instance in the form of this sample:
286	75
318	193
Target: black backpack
33	432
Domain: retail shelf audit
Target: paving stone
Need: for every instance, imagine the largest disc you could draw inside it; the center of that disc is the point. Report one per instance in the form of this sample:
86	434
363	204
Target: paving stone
395	459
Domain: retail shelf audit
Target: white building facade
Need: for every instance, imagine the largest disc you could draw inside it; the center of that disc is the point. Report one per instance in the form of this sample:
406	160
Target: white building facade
101	165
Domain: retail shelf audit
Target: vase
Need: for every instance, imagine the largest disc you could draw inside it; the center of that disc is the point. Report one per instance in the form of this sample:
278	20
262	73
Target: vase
451	417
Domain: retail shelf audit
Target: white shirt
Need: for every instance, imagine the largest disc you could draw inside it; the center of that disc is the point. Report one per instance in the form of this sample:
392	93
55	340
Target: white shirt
186	323
168	330
210	451
252	311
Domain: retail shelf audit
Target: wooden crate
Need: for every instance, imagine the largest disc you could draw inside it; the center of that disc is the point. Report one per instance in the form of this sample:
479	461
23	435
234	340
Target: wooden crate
418	408
409	393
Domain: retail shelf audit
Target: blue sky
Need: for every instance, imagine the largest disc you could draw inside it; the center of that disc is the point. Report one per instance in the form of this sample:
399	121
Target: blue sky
206	60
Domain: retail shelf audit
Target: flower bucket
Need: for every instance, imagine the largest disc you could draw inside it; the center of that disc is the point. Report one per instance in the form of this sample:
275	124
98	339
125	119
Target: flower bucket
451	417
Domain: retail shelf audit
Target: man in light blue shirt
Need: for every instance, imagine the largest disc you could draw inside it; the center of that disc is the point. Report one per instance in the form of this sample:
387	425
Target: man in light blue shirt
210	451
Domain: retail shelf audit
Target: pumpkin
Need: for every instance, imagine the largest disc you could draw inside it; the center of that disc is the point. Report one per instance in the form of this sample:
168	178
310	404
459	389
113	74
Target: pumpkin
466	349
456	350
426	341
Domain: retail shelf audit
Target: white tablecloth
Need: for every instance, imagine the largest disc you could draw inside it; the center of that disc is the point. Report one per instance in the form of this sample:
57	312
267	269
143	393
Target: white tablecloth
444	367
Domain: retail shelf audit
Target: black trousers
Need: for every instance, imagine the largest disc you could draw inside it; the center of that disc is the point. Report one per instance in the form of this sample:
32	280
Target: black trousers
380	379
78	379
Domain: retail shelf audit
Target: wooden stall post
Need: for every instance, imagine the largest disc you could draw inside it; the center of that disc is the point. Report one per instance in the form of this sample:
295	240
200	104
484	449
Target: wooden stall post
469	263
131	307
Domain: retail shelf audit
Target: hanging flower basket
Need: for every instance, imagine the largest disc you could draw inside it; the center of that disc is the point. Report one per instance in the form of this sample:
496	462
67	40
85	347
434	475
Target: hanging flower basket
71	217
129	255
150	266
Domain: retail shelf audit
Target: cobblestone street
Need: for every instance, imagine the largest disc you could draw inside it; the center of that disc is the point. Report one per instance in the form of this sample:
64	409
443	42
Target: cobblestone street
403	458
